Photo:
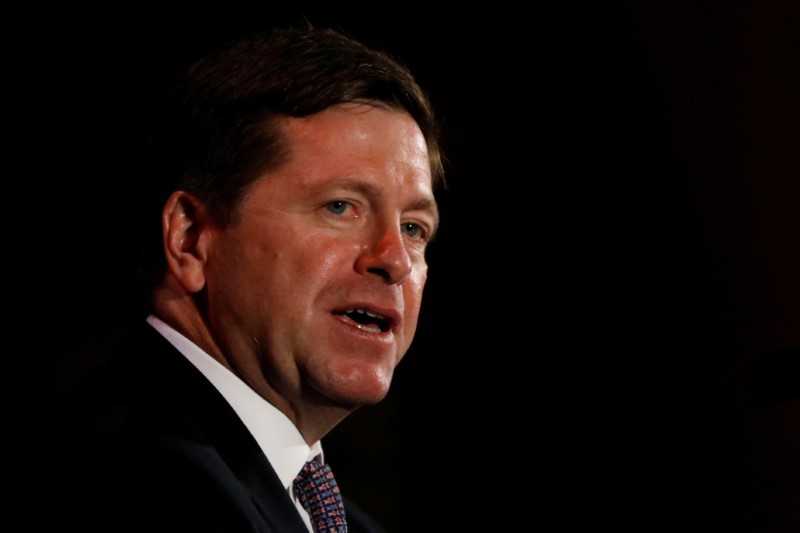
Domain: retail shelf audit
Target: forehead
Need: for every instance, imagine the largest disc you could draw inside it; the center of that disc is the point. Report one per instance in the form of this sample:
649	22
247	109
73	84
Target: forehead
358	140
356	125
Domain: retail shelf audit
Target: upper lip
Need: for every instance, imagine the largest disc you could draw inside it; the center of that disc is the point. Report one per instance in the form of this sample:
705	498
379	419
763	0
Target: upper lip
387	317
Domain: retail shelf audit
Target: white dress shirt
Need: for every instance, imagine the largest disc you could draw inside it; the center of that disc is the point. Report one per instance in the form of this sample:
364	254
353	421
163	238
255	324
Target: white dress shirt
275	434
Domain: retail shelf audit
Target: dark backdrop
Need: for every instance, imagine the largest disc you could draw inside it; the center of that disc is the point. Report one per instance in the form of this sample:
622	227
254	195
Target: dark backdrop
611	327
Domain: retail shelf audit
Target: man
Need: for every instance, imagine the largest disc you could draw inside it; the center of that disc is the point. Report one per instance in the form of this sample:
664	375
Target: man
283	284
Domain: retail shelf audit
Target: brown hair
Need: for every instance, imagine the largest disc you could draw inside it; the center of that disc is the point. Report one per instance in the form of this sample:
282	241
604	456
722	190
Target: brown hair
219	134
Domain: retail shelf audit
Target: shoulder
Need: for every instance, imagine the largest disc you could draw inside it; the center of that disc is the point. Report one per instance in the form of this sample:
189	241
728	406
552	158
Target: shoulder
145	439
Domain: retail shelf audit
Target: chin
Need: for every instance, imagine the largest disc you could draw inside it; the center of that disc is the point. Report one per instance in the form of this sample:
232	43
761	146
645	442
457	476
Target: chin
359	385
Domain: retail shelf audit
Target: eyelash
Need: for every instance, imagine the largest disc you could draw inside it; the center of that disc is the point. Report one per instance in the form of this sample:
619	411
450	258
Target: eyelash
412	229
419	232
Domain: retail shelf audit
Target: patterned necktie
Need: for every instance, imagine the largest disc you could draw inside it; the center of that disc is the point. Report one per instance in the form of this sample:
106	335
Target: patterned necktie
318	492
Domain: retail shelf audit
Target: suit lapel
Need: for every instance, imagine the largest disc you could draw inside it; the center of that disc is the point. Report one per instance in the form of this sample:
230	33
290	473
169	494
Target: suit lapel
200	405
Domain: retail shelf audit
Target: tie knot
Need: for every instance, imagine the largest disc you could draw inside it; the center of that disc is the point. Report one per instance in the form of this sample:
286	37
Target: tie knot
319	494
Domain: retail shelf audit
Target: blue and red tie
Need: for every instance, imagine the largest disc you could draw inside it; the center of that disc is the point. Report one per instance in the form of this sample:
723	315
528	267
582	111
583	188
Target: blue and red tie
317	490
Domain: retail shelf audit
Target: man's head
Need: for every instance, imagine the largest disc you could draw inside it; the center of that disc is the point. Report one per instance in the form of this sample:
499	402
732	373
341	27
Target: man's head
300	169
220	132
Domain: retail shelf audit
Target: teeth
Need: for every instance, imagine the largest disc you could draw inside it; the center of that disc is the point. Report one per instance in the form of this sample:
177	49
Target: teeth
365	312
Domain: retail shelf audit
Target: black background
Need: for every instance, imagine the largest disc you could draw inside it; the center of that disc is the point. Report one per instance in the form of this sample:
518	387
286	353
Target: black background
611	324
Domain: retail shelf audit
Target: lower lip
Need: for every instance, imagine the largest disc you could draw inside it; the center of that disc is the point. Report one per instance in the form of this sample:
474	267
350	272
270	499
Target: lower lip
363	335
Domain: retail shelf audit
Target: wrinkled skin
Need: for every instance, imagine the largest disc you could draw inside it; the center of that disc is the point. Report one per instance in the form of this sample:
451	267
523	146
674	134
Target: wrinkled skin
341	226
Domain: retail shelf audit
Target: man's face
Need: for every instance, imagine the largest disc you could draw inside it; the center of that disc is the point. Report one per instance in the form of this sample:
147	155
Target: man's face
314	295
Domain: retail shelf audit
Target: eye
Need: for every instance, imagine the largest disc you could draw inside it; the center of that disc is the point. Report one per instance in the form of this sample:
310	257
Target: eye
412	230
338	207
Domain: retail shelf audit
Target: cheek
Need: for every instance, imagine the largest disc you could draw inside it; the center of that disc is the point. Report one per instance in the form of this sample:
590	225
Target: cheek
300	250
323	258
412	292
420	276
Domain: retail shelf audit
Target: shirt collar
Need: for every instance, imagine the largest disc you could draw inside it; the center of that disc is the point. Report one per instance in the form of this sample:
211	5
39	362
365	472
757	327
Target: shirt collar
275	434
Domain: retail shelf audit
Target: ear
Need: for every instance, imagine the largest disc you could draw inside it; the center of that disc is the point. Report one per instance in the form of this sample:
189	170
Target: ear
184	223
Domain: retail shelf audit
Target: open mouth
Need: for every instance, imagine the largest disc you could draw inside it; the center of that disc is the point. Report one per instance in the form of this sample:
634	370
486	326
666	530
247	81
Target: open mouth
370	321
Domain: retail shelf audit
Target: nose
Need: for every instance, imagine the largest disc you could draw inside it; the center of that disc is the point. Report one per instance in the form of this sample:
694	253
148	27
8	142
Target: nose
386	256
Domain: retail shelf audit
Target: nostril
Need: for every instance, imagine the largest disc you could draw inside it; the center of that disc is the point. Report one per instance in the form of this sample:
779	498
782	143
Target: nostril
383	273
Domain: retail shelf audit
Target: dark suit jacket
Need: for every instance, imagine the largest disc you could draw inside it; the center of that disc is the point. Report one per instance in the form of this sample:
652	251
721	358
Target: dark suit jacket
148	444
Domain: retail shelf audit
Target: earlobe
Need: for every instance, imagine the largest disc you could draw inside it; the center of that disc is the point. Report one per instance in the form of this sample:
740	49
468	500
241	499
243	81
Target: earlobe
182	222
